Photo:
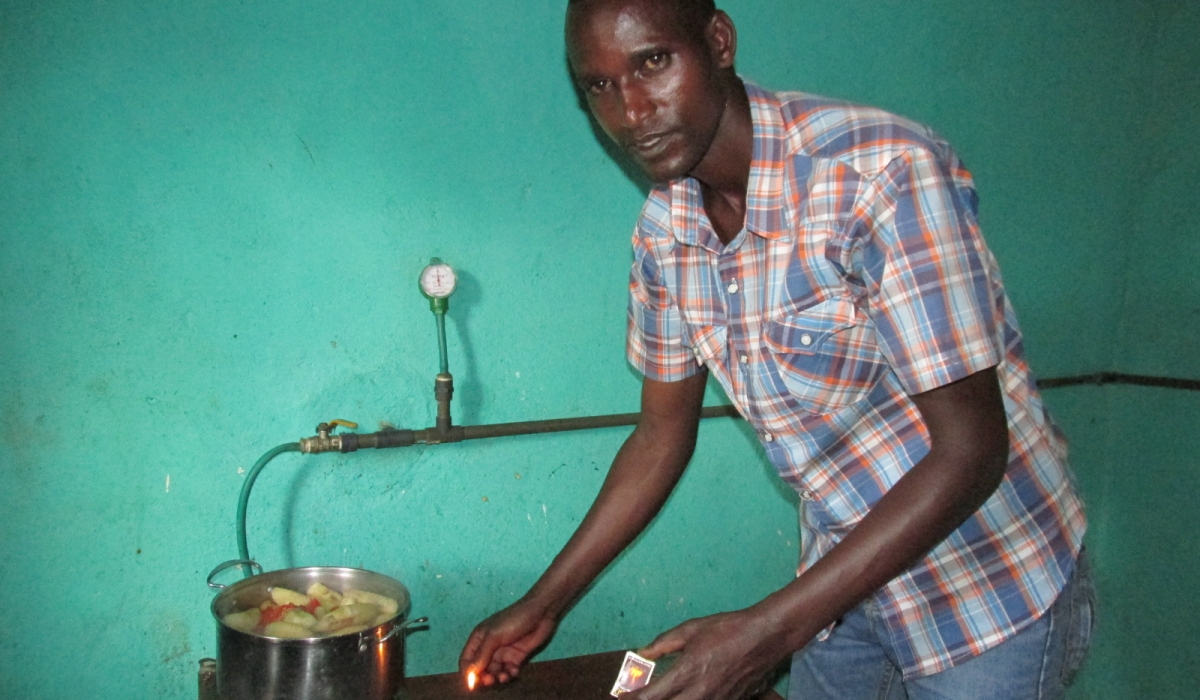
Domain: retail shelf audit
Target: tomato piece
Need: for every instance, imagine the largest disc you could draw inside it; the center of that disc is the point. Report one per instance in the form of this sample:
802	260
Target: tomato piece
312	606
274	614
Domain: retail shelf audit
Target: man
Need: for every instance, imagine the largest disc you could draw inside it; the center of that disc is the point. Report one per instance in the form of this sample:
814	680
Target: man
824	263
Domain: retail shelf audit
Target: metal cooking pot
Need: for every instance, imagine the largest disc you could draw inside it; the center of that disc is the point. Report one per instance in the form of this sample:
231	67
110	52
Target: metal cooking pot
362	665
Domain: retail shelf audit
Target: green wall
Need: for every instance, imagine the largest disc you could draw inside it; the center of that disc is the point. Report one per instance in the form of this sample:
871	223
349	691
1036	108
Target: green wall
1144	489
212	218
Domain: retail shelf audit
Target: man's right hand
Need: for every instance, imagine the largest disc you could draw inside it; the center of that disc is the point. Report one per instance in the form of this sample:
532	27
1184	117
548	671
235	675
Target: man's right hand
499	646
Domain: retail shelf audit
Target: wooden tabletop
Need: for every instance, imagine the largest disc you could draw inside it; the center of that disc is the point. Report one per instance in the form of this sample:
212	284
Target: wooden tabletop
588	677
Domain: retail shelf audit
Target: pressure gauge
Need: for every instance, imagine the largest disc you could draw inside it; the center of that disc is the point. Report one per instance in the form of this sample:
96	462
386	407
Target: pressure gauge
438	280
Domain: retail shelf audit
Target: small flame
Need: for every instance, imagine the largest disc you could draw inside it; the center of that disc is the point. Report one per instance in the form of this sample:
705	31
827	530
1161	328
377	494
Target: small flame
635	673
472	677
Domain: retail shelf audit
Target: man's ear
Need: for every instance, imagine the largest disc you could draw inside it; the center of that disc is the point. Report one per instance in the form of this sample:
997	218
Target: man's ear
721	36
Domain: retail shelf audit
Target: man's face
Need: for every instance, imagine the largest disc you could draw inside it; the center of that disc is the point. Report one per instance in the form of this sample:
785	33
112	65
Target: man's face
656	91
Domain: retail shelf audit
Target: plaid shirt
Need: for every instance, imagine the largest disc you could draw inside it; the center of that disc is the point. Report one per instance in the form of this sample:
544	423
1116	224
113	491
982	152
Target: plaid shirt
861	278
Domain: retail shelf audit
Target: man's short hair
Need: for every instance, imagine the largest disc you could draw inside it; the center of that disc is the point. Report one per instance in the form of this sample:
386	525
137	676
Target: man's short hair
694	14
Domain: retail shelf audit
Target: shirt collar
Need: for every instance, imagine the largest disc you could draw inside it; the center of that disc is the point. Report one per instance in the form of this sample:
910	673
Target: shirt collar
764	189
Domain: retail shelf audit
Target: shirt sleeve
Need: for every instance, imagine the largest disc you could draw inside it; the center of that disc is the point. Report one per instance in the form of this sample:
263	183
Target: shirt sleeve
929	274
654	342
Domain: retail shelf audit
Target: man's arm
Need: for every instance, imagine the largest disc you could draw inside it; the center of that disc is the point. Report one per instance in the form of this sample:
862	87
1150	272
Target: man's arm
645	471
725	655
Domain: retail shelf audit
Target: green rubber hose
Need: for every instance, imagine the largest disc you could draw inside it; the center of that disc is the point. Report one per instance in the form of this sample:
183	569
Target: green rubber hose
244	498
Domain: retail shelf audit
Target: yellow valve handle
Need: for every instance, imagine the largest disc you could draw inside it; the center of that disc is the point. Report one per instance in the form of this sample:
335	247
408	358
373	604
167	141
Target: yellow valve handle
344	423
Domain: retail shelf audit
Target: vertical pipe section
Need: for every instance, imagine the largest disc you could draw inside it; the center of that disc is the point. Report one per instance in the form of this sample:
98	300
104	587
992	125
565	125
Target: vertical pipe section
444	362
443	392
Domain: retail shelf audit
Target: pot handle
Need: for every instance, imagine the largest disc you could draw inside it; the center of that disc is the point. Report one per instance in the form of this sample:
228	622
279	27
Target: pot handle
365	640
228	565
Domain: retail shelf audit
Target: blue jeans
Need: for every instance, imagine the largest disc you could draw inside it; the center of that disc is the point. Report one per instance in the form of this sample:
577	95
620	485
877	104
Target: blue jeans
856	662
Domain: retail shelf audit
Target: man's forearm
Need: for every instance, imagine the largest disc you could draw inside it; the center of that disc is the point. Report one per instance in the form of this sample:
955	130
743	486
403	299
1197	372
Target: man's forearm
643	474
963	468
632	495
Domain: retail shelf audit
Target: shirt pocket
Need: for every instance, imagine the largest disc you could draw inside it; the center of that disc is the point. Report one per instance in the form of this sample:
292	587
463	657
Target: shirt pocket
824	356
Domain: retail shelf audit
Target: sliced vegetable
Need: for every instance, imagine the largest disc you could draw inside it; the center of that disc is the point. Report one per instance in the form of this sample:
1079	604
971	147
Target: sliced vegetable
283	596
297	616
330	599
274	614
385	604
287	614
286	630
244	621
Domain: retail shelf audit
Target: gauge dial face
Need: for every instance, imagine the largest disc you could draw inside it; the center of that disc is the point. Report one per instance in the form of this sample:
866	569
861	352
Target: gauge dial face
438	280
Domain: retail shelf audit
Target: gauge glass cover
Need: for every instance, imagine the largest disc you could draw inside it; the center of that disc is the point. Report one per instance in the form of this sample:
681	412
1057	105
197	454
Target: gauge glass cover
438	280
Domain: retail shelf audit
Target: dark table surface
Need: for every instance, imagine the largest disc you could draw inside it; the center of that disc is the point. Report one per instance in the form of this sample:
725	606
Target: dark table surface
584	677
588	677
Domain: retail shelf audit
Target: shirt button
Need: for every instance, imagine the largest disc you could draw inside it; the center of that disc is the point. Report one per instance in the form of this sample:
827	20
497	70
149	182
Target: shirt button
806	339
744	359
733	287
768	437
806	495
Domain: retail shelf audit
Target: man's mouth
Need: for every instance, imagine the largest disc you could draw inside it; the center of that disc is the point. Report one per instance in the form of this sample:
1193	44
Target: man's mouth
649	145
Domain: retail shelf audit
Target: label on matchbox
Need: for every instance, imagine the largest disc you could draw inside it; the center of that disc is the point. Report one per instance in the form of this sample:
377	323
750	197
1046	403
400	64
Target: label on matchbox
635	673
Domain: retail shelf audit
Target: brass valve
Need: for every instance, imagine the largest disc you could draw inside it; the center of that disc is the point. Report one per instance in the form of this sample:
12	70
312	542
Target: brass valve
325	440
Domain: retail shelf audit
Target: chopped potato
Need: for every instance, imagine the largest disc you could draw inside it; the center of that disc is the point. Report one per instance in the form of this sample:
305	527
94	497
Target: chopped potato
244	621
345	616
283	596
363	612
288	614
386	605
330	599
296	616
286	630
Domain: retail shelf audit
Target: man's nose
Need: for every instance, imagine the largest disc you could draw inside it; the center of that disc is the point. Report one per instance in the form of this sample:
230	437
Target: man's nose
637	106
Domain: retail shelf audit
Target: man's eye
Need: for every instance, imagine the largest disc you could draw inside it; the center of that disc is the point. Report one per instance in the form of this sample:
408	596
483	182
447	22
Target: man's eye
658	61
597	87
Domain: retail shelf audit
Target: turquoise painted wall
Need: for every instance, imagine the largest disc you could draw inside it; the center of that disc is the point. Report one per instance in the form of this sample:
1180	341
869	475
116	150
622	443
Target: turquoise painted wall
1147	477
1161	310
1142	487
212	219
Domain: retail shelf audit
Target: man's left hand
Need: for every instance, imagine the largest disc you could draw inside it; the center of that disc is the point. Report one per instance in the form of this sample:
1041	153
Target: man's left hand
721	657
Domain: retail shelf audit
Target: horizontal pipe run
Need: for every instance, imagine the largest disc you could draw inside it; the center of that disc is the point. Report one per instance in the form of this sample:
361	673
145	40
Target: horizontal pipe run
393	437
1118	378
559	425
433	436
458	433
